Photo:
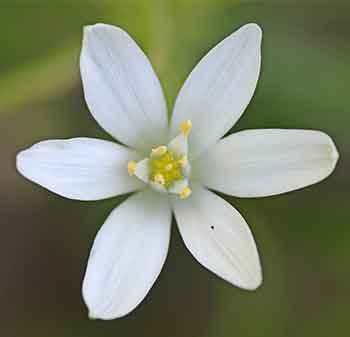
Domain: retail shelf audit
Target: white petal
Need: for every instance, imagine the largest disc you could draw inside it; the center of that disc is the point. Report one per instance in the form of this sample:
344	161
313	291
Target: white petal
219	88
218	237
121	89
127	255
142	170
257	163
178	186
179	145
79	168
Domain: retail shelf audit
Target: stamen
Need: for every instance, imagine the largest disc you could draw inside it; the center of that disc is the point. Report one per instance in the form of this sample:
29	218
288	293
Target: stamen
159	179
159	151
186	127
185	193
183	161
131	167
167	167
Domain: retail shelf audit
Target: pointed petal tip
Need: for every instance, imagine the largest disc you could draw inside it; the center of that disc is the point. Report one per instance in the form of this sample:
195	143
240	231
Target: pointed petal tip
254	30
95	315
255	282
334	151
101	26
253	27
252	280
89	28
91	316
18	157
19	162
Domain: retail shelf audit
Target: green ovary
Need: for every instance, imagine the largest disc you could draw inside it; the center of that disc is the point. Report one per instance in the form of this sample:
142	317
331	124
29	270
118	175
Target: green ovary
165	169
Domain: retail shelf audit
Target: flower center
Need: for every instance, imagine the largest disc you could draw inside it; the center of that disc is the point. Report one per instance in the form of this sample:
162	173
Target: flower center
167	168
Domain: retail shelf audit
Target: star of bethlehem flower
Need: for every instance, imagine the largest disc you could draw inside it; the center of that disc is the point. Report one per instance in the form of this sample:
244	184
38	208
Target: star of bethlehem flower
172	165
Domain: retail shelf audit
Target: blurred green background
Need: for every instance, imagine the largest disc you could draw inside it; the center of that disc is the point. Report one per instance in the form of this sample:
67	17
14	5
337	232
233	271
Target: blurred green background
303	237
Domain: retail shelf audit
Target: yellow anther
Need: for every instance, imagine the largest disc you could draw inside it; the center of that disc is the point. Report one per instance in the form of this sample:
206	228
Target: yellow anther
131	167
183	161
159	179
185	192
168	167
159	151
186	127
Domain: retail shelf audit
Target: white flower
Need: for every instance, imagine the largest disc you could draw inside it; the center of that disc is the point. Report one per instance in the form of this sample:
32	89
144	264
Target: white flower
171	168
